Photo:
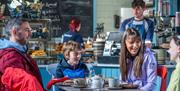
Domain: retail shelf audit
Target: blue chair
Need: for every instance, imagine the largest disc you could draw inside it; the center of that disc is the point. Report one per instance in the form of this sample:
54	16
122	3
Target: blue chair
51	68
158	84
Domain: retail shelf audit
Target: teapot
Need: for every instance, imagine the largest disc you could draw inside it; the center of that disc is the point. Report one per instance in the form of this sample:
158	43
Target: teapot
95	82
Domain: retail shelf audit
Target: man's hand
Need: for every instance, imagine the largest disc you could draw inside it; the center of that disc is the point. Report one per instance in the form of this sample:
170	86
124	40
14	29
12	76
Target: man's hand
148	45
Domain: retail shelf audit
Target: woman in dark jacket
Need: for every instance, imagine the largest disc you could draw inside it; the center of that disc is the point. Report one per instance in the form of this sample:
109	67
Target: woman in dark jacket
72	34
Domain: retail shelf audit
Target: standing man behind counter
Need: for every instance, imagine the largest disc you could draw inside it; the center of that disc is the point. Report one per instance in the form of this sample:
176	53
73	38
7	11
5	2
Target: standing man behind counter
72	34
139	22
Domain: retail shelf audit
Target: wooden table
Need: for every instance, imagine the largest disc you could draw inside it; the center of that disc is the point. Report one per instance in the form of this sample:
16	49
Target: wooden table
70	88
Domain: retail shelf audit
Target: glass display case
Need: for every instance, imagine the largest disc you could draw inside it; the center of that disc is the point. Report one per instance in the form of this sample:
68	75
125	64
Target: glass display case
1	28
40	44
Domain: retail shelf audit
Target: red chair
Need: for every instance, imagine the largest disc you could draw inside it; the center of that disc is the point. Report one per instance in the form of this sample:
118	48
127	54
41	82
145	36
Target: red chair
162	72
55	80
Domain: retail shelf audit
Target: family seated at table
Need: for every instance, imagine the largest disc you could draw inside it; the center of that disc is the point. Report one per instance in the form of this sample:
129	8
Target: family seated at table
138	65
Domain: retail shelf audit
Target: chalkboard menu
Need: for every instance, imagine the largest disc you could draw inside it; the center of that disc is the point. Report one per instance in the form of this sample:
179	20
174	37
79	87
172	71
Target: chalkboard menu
61	11
51	10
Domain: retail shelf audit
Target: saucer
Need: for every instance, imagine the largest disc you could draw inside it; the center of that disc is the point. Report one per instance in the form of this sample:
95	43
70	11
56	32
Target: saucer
64	84
114	88
79	86
129	86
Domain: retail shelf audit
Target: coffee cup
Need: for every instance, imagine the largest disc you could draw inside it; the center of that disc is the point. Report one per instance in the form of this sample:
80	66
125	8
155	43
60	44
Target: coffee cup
112	82
96	82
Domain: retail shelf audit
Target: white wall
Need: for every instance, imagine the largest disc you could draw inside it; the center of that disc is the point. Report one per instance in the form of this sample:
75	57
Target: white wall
106	9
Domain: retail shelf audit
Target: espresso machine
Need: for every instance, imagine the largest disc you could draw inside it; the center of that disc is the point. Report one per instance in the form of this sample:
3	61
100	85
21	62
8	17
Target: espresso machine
112	44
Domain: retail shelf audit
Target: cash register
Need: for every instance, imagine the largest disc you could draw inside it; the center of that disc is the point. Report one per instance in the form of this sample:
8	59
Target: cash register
112	44
111	49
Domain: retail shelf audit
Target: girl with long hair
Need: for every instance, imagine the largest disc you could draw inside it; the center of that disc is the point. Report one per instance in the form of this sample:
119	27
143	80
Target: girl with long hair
138	65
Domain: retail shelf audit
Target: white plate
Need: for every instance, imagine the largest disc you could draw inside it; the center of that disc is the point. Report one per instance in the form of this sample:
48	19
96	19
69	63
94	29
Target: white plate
78	86
114	88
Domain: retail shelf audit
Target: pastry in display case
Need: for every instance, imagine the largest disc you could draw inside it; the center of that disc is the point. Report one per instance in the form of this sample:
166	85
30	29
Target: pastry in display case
40	37
59	48
38	53
40	46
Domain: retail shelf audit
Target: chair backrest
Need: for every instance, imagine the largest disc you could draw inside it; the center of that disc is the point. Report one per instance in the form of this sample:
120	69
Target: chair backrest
51	68
162	72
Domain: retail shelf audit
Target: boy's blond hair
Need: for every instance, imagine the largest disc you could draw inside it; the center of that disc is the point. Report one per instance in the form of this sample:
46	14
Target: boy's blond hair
70	46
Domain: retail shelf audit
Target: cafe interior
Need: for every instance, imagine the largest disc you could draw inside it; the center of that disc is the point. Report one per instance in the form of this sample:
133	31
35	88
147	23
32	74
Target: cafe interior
101	21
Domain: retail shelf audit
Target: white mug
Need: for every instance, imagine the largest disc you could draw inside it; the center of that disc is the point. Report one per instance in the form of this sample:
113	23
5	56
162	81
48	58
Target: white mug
95	82
112	82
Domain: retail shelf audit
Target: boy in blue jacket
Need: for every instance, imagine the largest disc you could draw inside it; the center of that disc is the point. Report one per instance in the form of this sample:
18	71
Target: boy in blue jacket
69	65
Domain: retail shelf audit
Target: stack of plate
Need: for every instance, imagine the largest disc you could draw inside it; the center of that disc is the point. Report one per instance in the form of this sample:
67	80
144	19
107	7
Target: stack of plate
98	47
160	55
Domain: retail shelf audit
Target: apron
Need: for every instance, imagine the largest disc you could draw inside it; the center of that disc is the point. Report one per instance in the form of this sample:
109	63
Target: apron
140	26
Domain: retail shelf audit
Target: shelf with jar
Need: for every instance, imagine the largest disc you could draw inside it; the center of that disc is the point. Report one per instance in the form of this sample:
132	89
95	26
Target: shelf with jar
149	9
165	25
2	24
1	27
166	7
40	47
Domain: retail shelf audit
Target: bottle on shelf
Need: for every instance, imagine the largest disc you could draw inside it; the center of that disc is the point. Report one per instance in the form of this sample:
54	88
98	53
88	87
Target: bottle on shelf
91	71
